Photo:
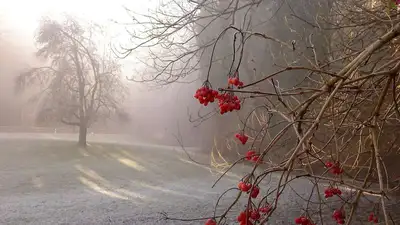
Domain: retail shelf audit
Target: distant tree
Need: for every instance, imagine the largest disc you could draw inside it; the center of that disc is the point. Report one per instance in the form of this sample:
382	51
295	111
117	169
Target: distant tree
79	83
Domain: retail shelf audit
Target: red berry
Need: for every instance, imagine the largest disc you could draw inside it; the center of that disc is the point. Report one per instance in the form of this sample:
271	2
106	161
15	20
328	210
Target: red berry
339	216
244	187
255	215
241	217
255	158
250	154
235	81
255	192
334	168
242	138
304	221
211	222
376	220
371	218
329	192
337	213
265	209
241	184
246	222
237	107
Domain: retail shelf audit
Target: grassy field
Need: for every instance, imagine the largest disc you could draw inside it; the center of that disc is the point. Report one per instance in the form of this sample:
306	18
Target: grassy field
55	182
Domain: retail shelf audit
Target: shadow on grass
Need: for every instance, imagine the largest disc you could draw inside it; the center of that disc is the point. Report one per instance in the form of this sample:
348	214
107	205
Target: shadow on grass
138	174
92	180
150	173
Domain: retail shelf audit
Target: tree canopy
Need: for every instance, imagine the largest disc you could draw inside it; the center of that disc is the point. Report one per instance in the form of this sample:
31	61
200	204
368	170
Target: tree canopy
80	83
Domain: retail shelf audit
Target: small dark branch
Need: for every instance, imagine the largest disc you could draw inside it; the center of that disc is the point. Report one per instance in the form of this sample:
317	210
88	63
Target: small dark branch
290	46
264	93
226	171
396	106
179	140
293	68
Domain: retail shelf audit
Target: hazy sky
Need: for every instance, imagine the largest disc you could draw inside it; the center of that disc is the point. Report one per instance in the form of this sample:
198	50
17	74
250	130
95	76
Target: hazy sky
21	17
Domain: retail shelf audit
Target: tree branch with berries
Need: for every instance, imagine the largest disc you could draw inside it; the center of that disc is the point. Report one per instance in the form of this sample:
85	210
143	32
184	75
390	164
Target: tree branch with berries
334	126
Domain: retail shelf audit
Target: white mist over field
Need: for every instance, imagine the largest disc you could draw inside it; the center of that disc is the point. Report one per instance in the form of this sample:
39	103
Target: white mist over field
156	113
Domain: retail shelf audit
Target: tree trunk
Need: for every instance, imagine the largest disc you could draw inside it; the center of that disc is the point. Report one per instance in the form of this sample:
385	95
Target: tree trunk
82	135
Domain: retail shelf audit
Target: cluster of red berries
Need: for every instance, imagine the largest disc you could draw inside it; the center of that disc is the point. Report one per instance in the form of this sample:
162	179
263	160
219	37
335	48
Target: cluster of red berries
242	137
245	187
330	192
339	216
211	222
228	102
235	81
303	221
206	95
372	218
334	168
252	156
246	217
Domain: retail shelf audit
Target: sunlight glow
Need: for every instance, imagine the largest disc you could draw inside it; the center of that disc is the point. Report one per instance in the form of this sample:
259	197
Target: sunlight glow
168	191
90	173
97	183
92	185
193	163
213	172
131	164
128	162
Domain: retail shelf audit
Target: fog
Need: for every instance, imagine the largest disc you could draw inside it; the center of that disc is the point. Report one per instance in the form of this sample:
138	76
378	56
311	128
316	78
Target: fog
156	113
13	58
291	98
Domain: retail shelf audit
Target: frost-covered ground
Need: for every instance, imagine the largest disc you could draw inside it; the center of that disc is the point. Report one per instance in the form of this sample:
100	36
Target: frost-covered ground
45	179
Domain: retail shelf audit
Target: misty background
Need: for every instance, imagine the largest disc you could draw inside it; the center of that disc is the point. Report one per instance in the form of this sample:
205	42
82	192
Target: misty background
156	114
160	107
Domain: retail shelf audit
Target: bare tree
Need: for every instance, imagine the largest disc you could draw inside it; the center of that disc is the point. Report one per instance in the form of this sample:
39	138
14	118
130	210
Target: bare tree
80	83
332	122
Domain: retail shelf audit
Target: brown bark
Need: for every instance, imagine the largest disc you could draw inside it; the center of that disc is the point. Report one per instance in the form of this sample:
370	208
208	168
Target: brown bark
82	135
